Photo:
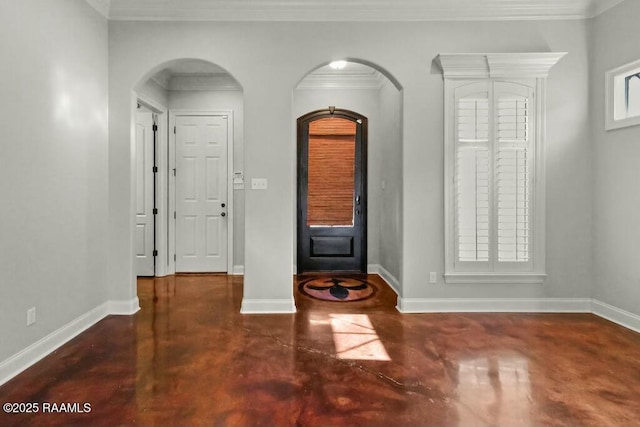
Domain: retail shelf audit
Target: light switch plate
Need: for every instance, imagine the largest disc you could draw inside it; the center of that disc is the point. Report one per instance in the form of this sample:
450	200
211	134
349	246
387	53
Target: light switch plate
258	183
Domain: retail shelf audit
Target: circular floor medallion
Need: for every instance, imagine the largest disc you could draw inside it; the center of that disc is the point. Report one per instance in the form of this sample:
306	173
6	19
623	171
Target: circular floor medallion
337	288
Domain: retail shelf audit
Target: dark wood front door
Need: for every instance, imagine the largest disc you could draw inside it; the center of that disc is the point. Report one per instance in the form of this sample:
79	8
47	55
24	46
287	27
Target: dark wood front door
332	191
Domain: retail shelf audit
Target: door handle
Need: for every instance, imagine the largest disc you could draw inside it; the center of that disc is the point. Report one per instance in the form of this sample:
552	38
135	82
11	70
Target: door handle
357	200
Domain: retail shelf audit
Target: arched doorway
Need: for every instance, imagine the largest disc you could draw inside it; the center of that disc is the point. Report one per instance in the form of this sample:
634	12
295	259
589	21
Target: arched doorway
332	191
199	124
371	91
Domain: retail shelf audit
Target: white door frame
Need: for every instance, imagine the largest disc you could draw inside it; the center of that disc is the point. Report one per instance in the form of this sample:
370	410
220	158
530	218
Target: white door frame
172	181
161	179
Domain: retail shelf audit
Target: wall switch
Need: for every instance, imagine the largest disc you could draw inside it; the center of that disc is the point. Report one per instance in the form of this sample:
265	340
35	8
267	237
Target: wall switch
31	316
258	183
432	277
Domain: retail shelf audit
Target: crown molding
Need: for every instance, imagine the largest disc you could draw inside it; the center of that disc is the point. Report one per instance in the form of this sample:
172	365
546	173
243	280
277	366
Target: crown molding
600	6
102	6
196	82
373	80
496	65
205	82
354	10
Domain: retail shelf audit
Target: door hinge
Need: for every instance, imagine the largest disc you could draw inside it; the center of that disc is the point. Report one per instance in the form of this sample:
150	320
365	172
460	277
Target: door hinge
174	257
155	211
174	129
155	169
155	252
155	127
174	171
174	214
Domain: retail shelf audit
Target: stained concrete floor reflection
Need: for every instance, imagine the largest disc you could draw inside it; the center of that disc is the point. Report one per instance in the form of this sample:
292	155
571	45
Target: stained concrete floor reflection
190	358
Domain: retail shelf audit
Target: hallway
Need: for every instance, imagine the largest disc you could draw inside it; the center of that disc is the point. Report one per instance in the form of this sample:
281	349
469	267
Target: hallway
189	358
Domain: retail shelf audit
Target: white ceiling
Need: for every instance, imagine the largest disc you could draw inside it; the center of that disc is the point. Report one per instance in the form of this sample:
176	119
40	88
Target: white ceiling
350	10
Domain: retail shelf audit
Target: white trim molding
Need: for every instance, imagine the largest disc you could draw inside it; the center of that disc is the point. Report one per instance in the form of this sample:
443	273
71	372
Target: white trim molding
123	308
385	275
37	351
238	270
616	315
342	11
493	74
268	306
495	278
497	65
616	109
102	6
494	305
598	308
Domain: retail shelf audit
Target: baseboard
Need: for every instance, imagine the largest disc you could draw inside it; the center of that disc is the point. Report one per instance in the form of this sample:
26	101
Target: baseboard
123	308
238	270
495	305
616	315
387	277
268	306
22	360
43	347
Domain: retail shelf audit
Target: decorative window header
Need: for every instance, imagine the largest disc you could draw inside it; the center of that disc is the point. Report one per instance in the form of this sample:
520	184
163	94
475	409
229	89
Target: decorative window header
497	65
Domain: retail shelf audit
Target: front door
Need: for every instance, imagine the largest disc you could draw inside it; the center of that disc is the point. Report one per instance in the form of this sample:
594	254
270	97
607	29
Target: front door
332	196
201	193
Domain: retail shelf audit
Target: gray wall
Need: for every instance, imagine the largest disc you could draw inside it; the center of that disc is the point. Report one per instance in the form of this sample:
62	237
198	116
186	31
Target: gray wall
66	229
264	58
616	163
390	199
53	167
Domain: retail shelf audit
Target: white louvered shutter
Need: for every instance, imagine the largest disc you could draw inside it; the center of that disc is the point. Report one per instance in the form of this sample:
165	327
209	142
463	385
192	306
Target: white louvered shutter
472	174
513	170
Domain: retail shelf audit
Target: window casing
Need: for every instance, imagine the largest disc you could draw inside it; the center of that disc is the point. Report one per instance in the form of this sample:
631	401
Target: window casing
623	96
494	171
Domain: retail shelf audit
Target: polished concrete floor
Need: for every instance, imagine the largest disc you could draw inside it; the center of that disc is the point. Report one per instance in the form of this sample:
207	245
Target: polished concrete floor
189	358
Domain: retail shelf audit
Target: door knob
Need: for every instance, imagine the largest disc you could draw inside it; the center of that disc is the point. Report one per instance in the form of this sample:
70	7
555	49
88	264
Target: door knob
223	205
357	200
223	214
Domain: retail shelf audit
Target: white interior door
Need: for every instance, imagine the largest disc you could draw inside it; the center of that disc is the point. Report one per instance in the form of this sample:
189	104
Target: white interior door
144	194
201	193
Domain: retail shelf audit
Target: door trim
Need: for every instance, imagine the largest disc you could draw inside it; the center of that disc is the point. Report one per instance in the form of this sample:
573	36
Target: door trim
172	182
161	180
301	121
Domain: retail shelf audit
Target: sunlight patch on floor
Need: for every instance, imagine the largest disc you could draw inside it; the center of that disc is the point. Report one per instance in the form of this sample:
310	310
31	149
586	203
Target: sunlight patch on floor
355	338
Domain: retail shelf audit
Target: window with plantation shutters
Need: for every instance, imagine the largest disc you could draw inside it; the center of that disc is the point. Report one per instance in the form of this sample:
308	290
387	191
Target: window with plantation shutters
512	171
472	177
494	171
